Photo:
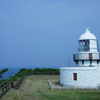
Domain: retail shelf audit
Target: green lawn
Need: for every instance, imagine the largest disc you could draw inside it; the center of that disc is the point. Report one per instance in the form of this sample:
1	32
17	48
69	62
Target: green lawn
36	87
72	95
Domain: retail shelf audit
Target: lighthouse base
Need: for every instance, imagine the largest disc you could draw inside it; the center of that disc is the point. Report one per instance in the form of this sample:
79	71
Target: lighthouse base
80	77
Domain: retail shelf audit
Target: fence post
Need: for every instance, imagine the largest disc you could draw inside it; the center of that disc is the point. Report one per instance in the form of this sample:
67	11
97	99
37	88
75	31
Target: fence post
2	87
12	85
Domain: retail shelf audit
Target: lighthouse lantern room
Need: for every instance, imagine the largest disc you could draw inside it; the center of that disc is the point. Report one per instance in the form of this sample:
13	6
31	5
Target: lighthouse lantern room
88	51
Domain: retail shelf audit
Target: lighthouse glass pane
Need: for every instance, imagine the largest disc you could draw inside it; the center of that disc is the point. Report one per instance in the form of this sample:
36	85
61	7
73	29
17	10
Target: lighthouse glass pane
84	45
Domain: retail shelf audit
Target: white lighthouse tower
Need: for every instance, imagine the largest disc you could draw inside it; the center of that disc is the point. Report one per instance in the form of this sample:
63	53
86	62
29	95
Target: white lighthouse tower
88	52
86	74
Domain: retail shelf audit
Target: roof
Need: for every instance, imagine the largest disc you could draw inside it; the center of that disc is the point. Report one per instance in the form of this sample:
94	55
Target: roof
87	35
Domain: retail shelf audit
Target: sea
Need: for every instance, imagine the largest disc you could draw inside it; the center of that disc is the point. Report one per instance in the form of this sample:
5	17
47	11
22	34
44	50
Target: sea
13	70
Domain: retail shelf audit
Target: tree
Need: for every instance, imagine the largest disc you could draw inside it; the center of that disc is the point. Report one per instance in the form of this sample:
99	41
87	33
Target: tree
3	71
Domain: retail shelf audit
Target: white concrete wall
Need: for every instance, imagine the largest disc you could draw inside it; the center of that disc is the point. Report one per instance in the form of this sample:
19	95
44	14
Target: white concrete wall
93	46
86	63
87	77
95	55
80	63
99	76
81	56
94	63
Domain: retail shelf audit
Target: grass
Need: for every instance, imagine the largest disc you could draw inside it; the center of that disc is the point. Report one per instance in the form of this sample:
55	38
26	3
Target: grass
73	95
36	87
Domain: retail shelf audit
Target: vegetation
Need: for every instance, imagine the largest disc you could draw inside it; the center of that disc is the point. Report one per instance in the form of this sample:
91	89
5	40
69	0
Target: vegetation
36	71
2	72
72	95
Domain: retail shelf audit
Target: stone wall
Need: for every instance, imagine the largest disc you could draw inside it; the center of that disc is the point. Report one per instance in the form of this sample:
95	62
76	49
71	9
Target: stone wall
87	77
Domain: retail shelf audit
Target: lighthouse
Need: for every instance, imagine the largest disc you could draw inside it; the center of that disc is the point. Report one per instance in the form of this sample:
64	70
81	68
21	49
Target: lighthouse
86	73
88	51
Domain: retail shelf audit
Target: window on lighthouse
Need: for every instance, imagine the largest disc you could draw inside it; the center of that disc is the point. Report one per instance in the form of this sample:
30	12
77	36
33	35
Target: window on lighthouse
84	45
75	76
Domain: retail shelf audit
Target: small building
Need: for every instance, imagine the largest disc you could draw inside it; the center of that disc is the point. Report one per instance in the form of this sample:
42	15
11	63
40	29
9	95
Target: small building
86	74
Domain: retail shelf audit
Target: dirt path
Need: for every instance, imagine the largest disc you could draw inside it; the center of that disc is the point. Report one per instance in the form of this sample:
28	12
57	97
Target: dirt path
31	88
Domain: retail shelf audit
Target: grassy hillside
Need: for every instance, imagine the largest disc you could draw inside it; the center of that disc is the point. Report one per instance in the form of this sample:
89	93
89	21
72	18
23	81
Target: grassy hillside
36	87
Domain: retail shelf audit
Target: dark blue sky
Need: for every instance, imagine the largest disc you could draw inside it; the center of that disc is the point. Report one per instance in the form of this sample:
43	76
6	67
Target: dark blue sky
44	33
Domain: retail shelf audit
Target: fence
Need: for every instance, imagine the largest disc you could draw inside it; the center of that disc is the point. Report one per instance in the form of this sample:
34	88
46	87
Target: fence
17	85
43	73
5	86
8	84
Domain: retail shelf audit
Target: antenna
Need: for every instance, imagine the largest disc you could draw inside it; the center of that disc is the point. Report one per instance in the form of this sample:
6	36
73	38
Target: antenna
69	60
